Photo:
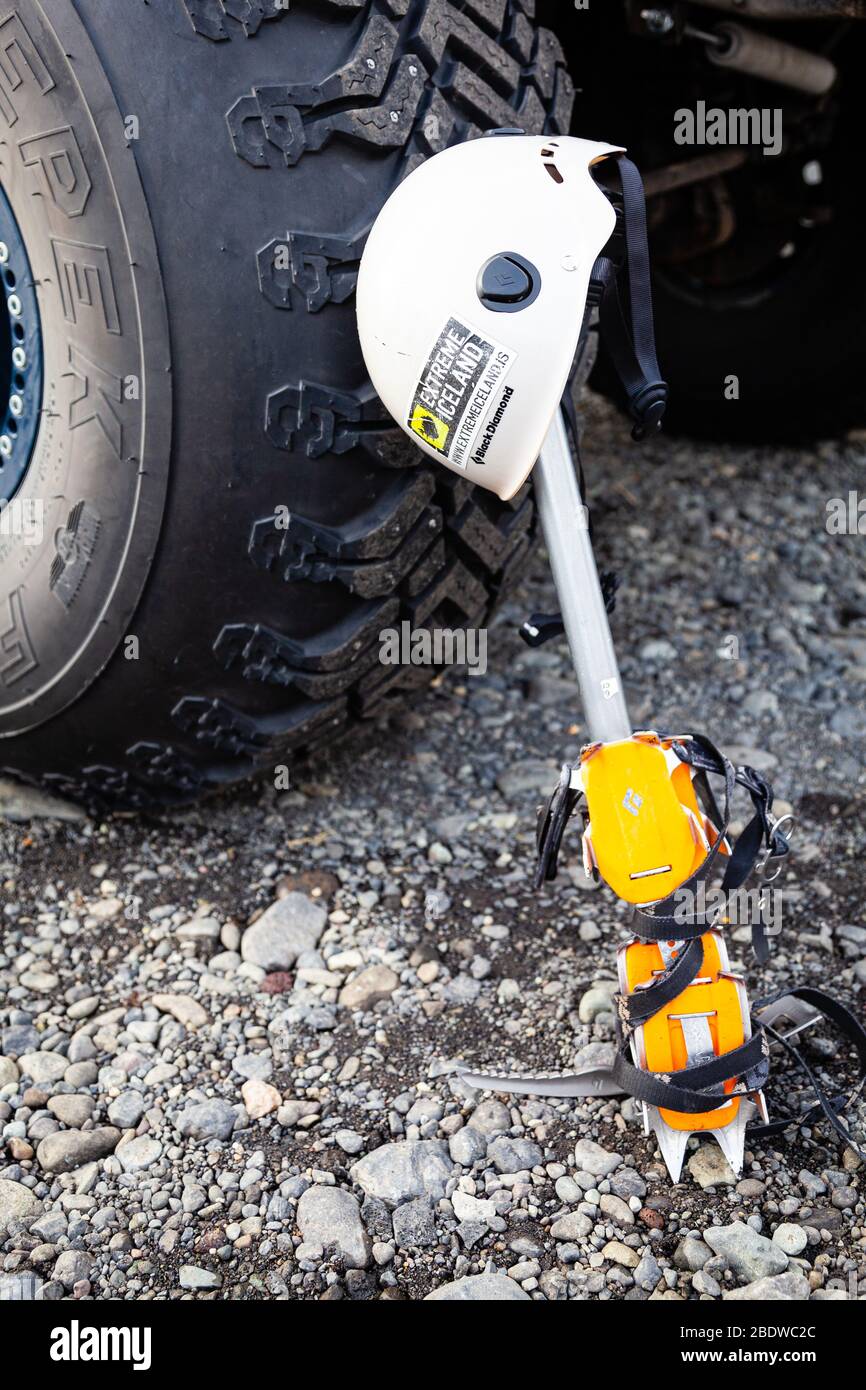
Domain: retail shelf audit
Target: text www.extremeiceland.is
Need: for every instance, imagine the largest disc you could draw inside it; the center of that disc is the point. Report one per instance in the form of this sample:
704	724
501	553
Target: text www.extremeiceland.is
767	1358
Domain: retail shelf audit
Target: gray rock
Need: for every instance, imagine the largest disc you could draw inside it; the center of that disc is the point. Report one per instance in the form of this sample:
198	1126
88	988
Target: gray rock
73	1110
49	1292
573	1226
812	1185
414	1224
490	1118
126	1110
286	929
479	1288
17	1202
595	1001
467	1146
18	1039
139	1154
253	1066
771	1289
396	1173
648	1272
592	1158
553	1285
472	1209
425	1110
51	1226
751	1256
199	929
790	1238
705	1283
692	1254
377	1218
462	989
43	1068
331	1217
532	775
709	1167
658	649
568	1191
750	1187
191	1277
843	1198
307	1013
207	1119
628	1183
71	1266
616	1209
8	1072
513	1155
82	1073
349	1141
436	903
70	1148
375	983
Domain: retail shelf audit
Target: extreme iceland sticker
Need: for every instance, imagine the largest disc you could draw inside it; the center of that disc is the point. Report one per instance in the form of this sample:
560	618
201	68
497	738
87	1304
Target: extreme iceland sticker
462	381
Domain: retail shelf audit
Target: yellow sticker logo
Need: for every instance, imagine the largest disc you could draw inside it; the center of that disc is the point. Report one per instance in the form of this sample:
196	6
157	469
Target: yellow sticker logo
429	427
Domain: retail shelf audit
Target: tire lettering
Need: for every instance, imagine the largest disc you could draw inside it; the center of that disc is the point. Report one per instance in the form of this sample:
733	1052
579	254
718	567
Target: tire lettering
17	657
20	64
99	388
57	154
85	281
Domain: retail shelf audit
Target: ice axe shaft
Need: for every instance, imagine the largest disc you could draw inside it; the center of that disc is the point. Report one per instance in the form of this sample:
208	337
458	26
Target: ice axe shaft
584	615
564	521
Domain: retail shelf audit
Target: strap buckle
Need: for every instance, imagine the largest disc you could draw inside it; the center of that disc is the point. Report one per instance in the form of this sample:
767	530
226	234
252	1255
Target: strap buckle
650	421
787	1013
778	845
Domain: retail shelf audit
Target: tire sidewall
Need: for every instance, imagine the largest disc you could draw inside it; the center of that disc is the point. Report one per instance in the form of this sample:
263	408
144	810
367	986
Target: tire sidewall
95	485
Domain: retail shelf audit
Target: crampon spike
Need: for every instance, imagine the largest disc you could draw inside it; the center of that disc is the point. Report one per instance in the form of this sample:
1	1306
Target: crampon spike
732	1139
672	1142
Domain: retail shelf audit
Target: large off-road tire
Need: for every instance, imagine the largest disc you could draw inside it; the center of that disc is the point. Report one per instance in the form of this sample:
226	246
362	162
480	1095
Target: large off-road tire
228	517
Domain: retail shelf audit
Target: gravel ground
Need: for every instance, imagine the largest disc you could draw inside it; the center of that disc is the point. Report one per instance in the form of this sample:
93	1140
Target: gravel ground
228	1039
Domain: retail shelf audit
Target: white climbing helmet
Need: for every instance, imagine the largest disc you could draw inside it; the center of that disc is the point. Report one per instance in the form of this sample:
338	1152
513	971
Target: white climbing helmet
472	293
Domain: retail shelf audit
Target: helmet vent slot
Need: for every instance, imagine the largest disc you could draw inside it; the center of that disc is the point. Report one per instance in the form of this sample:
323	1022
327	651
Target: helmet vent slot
548	154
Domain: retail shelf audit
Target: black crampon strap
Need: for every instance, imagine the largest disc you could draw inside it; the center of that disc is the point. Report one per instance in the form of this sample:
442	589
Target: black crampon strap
700	1087
631	345
748	1065
664	920
831	1107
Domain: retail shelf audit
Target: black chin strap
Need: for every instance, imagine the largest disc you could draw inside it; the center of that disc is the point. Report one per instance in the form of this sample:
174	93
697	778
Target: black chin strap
632	345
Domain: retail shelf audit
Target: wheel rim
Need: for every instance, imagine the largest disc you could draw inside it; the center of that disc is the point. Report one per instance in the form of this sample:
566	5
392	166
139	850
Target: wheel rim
20	356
